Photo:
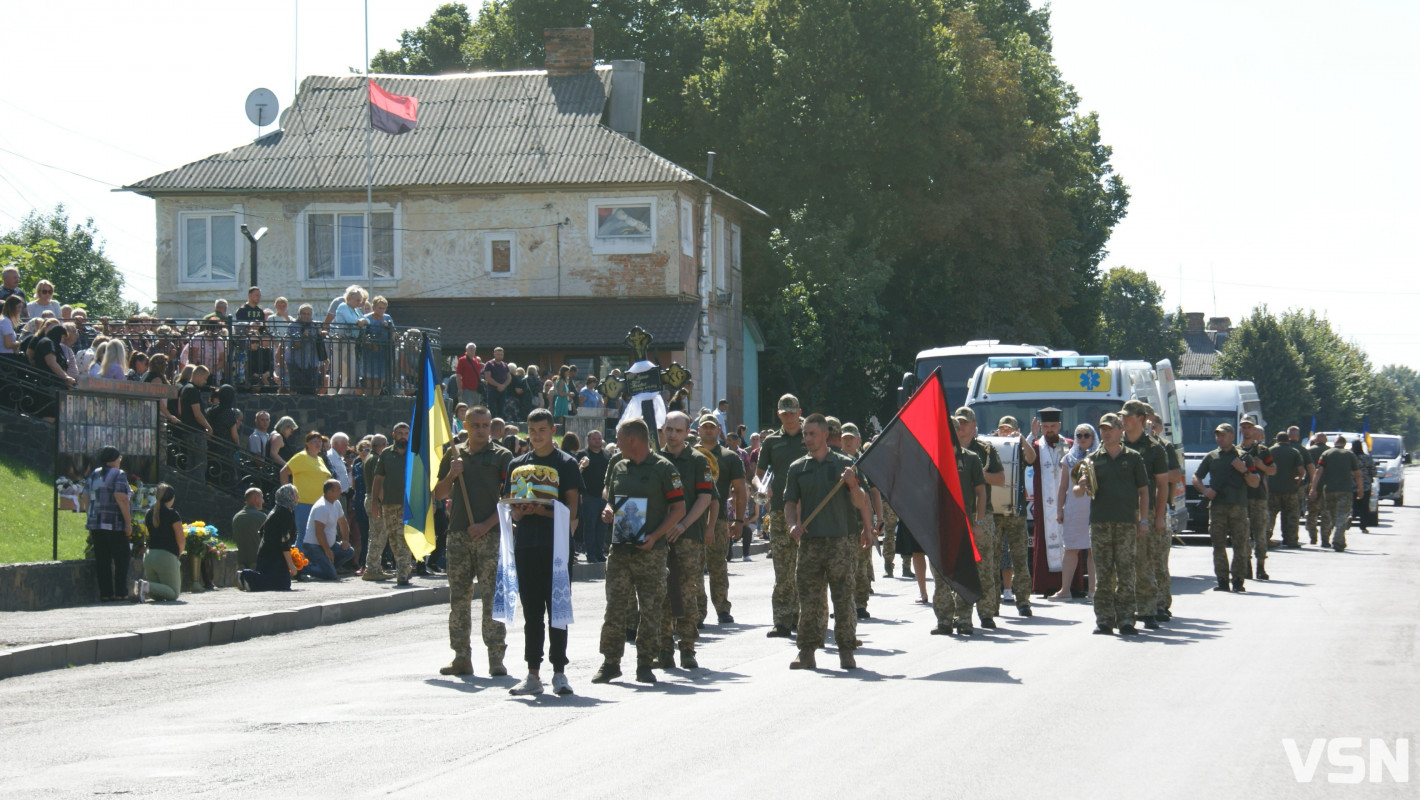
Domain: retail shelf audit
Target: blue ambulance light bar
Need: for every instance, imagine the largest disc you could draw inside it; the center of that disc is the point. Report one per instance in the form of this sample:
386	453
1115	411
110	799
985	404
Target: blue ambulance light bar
1048	362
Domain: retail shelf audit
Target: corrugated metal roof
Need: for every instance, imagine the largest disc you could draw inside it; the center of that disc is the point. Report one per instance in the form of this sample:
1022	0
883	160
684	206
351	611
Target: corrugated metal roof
518	323
1200	351
474	130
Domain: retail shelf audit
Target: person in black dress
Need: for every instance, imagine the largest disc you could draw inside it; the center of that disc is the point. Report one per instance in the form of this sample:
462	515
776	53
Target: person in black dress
274	568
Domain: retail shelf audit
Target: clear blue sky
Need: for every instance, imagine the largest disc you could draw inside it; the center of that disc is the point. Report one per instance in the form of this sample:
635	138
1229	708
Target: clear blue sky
1264	143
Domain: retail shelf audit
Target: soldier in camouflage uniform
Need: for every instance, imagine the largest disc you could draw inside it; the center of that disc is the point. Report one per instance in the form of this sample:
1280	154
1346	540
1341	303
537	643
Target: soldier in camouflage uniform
828	543
1337	480
983	531
1162	579
636	568
1135	415
863	585
471	476
730	485
887	528
1317	513
951	609
1294	437
1119	518
1255	445
387	521
687	544
1282	489
1230	473
778	450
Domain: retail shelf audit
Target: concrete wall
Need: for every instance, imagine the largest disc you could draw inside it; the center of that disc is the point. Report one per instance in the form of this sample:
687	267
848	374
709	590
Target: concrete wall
28	440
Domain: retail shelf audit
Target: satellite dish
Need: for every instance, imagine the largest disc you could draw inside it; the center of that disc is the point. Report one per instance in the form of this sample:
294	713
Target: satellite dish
262	107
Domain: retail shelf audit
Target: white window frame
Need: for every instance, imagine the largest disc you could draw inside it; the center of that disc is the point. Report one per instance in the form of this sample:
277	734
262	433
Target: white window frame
687	228
511	237
618	246
717	254
238	243
303	267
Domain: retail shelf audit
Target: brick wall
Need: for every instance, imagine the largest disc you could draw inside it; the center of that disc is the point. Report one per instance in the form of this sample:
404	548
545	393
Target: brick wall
569	50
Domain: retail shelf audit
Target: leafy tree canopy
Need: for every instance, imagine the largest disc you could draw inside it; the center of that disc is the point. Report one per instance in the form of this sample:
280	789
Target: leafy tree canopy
45	246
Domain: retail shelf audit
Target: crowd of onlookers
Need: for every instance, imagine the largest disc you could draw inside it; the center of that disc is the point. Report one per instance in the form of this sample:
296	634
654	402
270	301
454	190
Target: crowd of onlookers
352	348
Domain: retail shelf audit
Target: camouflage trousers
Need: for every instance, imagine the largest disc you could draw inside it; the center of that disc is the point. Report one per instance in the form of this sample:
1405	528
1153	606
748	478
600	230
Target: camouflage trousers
889	537
468	558
827	565
689	558
1114	546
1227	527
717	549
1163	581
1257	529
1011	533
785	552
633	577
1146	576
1285	504
863	584
1338	509
388	528
1317	516
952	607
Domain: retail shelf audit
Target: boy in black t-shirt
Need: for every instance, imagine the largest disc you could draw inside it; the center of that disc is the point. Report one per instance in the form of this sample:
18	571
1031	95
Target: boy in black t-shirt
546	466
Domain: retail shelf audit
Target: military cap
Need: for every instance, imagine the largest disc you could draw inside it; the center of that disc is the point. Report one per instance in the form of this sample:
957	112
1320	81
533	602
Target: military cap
1136	408
788	402
965	413
849	429
708	419
1008	420
1111	420
1226	427
834	425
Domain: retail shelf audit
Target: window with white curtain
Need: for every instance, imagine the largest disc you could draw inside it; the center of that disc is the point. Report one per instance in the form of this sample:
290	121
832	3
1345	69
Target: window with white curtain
336	239
210	248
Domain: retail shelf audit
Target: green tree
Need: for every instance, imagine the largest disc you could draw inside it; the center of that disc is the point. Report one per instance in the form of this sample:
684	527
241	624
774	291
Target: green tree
437	48
1407	382
1260	351
1340	371
71	258
1132	322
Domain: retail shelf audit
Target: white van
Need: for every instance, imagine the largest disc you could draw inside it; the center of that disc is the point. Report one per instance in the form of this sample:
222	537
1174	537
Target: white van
960	362
1203	406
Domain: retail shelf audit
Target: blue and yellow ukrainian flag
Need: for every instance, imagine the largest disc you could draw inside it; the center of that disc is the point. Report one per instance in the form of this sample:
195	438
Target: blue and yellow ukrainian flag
1366	431
429	434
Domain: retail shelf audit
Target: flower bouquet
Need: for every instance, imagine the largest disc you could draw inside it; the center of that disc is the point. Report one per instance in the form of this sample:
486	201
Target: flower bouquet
299	559
206	549
138	539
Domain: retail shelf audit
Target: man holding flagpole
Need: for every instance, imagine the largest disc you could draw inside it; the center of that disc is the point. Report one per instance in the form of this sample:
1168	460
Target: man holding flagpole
550	476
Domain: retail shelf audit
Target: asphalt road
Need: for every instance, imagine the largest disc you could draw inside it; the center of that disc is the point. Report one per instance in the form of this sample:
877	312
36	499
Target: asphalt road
1038	708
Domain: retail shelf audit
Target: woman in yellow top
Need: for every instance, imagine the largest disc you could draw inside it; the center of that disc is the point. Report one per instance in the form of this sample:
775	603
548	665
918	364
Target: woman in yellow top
308	471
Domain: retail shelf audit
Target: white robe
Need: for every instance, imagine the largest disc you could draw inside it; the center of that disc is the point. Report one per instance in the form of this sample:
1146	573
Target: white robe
1049	467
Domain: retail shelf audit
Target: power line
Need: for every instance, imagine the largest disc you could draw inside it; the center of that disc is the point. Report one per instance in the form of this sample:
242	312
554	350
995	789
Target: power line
60	169
24	110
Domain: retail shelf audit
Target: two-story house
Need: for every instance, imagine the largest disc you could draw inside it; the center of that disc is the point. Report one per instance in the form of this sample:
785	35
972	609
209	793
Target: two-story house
521	212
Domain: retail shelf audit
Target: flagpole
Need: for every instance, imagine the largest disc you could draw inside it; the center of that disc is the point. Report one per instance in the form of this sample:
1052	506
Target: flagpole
369	129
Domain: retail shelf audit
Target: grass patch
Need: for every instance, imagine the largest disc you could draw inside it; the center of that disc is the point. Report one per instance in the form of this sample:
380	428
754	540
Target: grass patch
26	505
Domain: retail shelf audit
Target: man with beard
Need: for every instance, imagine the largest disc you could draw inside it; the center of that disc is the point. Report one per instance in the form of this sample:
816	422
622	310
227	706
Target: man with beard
387	509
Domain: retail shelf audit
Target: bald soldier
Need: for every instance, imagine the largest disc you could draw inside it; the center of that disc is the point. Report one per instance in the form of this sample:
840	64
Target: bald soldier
778	450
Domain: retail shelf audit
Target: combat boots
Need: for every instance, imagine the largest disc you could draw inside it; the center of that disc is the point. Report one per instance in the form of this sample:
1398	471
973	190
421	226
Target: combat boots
607	672
461	665
804	661
846	660
666	660
687	659
495	664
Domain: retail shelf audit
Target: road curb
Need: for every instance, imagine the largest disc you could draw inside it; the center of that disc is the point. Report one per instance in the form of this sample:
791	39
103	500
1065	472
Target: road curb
147	642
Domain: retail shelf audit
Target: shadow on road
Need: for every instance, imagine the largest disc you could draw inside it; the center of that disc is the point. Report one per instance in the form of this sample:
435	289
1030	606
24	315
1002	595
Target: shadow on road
1192	584
471	684
973	675
551	700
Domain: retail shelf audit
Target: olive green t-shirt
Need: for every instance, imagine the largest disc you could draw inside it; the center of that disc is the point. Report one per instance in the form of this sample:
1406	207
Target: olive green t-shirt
483	476
731	470
990	461
776	453
1260	454
1230	484
696	480
390	464
1118	480
1156	461
971	474
807	481
641	494
1337	465
1286	458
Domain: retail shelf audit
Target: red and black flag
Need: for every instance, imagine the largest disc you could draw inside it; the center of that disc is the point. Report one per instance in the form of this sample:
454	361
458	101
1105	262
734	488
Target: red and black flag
913	463
392	113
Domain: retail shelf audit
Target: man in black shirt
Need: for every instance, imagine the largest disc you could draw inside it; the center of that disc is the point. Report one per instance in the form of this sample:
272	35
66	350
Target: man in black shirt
550	468
251	311
593	463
